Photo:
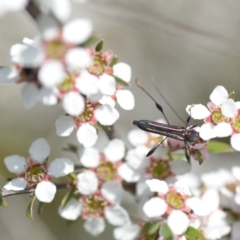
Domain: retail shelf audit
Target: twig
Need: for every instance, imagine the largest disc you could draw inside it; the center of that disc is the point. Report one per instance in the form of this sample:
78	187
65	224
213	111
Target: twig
7	193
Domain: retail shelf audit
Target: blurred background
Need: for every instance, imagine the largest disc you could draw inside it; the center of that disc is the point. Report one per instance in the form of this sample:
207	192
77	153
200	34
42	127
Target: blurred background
188	46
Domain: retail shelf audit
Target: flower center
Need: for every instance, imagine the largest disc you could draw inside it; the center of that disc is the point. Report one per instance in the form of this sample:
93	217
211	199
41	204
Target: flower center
160	169
175	200
106	171
236	124
98	66
218	117
56	49
94	206
67	84
87	115
35	174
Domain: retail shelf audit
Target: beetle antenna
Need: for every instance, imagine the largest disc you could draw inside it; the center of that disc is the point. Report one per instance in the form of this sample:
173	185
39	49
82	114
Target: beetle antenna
159	107
154	83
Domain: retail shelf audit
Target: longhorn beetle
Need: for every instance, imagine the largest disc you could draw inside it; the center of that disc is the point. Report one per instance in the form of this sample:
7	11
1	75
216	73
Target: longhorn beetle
186	134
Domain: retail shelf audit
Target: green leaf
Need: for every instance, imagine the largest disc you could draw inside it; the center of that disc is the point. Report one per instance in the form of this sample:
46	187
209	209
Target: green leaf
150	228
99	46
121	82
231	95
219	147
200	158
40	208
29	211
68	196
193	234
165	232
114	61
3	202
92	40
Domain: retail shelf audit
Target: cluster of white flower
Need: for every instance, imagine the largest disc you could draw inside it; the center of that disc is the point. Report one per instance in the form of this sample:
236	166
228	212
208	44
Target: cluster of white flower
221	118
57	67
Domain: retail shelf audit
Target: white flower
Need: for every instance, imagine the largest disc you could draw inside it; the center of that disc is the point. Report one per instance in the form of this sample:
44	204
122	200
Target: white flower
32	171
217	119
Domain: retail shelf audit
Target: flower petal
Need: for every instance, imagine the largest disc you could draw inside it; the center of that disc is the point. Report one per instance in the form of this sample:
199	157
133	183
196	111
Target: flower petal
31	57
73	103
115	150
123	71
45	191
78	58
39	150
223	129
182	188
219	95
87	182
87	83
47	96
94	226
8	75
51	73
15	164
60	9
207	131
127	232
112	191
128	174
60	167
90	157
29	95
136	158
125	99
16	184
71	211
106	115
87	135
197	111
235	142
77	31
155	207
211	200
107	84
197	206
178	222
156	185
117	215
229	108
64	125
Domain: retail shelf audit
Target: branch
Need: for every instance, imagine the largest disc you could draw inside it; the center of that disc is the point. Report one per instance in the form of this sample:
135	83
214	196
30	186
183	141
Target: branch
7	193
110	131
